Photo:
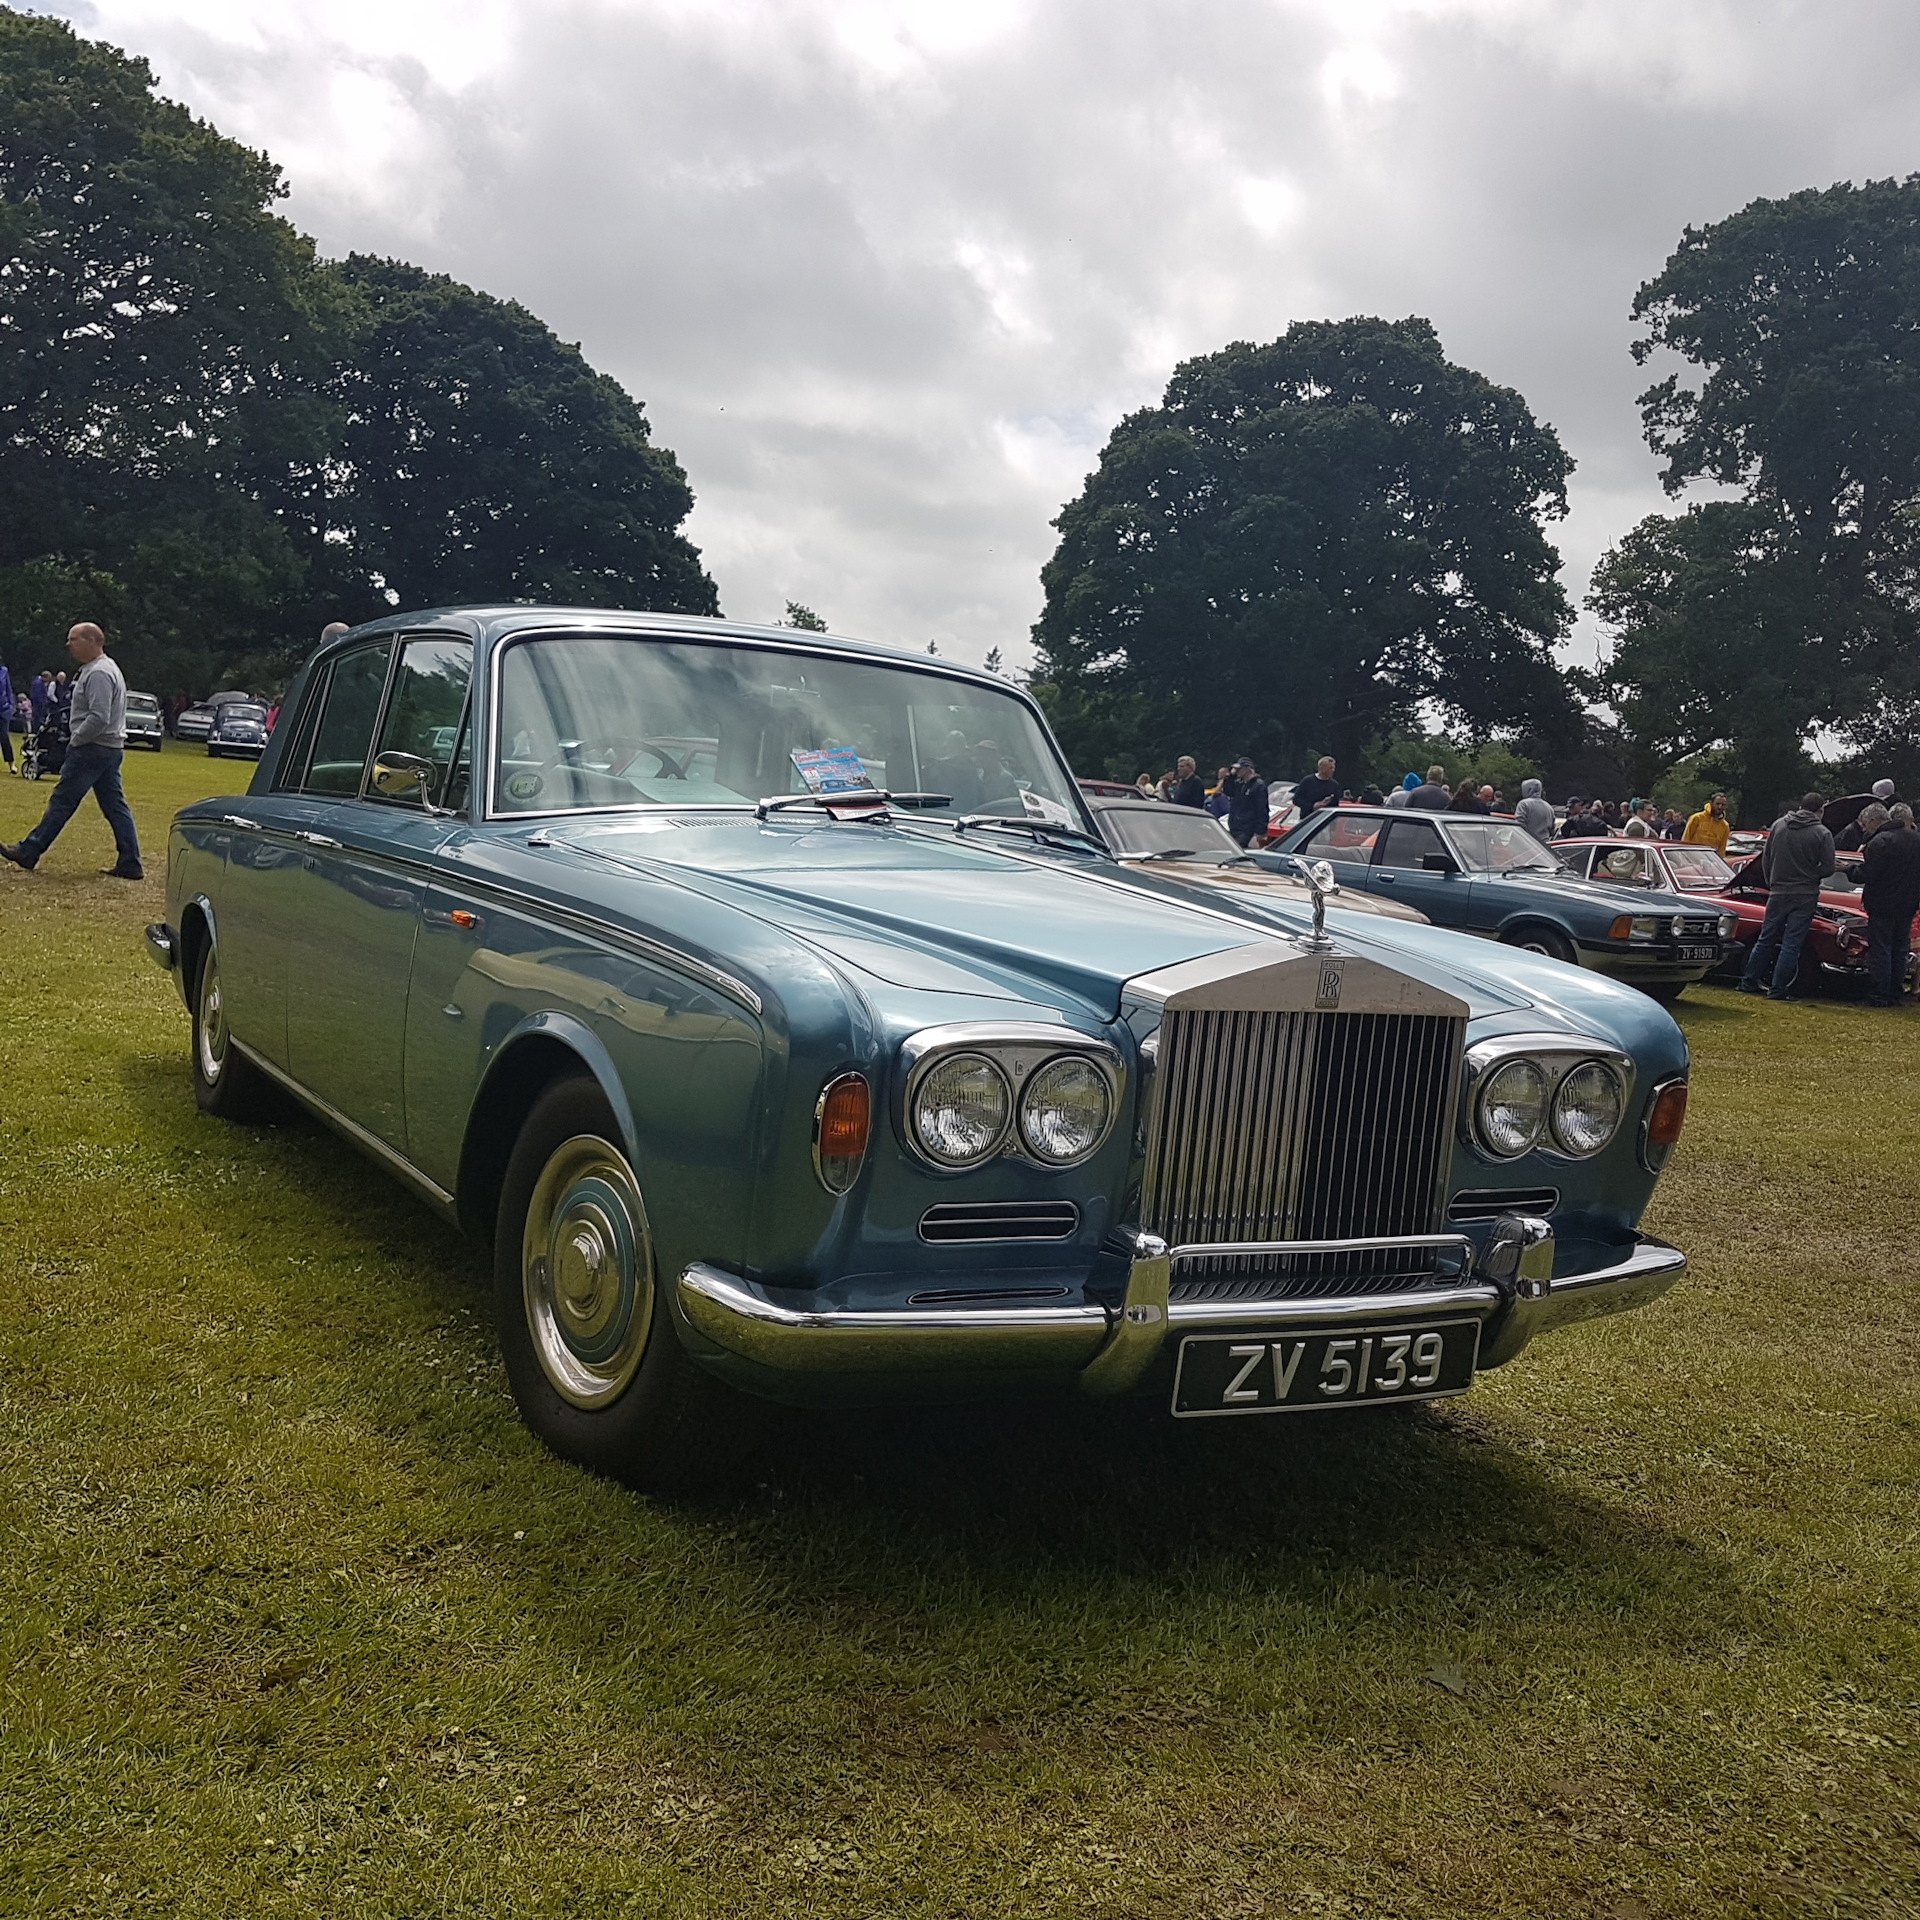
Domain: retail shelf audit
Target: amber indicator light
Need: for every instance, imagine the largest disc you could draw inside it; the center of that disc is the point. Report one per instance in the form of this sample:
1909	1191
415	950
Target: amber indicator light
844	1119
462	918
1669	1115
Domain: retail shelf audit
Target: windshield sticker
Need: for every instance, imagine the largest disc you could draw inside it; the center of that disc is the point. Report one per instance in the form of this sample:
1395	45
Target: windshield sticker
525	786
1039	807
832	771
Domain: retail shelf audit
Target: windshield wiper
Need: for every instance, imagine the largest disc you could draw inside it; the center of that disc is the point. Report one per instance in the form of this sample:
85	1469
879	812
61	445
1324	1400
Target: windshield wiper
1040	829
1168	853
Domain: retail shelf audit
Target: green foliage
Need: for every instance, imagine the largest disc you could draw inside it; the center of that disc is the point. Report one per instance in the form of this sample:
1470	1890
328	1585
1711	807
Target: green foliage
1487	763
213	443
804	618
1746	628
1303	547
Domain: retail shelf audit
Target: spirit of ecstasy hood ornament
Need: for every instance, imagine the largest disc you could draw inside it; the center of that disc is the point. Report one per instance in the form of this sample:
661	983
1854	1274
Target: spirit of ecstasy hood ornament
1318	875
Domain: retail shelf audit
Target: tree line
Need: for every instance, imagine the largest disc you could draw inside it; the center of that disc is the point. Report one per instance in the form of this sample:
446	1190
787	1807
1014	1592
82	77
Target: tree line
216	441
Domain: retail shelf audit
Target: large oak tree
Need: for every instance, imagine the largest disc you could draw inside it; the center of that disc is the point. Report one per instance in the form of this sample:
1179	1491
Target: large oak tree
1307	545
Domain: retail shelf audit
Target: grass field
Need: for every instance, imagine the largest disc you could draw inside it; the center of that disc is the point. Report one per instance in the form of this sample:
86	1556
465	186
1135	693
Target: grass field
298	1620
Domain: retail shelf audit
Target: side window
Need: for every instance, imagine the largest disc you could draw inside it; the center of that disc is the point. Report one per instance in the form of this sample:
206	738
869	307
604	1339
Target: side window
349	709
1346	836
422	743
293	768
1625	866
1408	843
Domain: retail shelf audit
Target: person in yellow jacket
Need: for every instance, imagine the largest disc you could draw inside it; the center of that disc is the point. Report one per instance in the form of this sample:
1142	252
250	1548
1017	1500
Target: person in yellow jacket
1710	826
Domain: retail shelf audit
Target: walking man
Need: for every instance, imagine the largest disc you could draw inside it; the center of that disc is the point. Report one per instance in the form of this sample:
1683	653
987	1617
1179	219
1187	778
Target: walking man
94	751
1534	814
1320	789
1890	892
1798	857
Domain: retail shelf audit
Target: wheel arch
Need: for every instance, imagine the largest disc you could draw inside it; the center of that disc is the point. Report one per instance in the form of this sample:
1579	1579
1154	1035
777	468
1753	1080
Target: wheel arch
543	1048
197	939
1518	923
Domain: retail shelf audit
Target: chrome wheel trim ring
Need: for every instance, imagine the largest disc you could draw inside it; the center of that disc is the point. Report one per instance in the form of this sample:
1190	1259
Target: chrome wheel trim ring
586	1267
210	1030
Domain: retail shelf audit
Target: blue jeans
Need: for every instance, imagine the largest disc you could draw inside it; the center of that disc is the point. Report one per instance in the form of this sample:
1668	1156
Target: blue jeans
85	770
1888	938
1783	932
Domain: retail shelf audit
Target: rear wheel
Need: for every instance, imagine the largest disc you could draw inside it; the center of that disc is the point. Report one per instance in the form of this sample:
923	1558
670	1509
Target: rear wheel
592	1355
225	1083
1536	939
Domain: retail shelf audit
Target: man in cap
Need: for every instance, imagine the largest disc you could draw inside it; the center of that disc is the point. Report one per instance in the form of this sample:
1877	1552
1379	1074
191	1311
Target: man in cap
1246	803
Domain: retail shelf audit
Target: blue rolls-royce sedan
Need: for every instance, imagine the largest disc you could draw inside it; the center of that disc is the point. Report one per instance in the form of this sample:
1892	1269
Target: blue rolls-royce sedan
1485	875
773	1008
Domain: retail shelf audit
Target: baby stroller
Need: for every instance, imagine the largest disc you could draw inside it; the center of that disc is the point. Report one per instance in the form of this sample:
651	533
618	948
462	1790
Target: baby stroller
45	748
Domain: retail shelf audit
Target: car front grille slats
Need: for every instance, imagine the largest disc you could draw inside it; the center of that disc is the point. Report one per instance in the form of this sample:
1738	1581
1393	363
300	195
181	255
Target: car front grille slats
1299	1126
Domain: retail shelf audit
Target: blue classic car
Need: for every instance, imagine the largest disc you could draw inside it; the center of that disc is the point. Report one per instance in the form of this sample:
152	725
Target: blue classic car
774	1008
1487	876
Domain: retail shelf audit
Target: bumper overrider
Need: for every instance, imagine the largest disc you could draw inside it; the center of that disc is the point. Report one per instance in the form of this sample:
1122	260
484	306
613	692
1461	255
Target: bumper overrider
1507	1283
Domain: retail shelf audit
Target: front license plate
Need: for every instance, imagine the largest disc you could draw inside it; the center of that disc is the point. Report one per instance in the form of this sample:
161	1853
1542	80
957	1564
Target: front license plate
1288	1373
1706	955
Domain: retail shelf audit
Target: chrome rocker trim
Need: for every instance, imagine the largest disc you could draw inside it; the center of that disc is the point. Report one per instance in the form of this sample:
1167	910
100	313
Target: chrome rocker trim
1112	1350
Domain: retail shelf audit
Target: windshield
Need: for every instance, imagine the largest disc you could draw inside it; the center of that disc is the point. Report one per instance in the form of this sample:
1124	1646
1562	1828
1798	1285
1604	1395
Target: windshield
595	721
1498	846
142	703
1166	829
1697	869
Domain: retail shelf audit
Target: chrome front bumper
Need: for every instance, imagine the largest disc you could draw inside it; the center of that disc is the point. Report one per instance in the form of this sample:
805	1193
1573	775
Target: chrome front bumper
1111	1348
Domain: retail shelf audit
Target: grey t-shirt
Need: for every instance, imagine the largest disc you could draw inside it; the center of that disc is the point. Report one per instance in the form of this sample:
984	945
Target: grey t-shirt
99	712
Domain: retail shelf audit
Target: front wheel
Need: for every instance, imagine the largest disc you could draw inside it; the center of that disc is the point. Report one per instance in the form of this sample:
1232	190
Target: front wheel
1666	991
592	1355
225	1083
1548	940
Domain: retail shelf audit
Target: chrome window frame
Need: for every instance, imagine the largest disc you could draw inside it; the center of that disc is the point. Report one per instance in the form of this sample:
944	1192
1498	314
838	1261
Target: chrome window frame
1557	1054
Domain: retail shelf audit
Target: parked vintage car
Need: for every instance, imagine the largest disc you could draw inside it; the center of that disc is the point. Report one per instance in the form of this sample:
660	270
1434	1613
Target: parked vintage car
194	722
1489	876
848	1064
239	730
1191	848
145	728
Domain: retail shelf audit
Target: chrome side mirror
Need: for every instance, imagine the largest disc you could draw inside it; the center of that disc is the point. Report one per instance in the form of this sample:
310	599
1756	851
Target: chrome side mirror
395	775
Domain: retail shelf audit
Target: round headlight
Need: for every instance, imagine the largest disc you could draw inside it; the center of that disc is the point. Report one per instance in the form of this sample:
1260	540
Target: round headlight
1587	1109
1064	1111
1513	1109
961	1109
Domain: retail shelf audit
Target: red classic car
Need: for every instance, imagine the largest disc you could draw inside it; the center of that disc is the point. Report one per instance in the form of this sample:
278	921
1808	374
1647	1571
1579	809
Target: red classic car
1837	944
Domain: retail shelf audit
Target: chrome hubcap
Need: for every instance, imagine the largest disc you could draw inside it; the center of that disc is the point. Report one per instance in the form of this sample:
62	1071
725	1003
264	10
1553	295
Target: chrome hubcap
587	1272
212	1037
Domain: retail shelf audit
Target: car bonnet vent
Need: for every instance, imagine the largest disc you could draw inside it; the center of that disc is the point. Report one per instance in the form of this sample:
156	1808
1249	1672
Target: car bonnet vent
1489	1203
1001	1220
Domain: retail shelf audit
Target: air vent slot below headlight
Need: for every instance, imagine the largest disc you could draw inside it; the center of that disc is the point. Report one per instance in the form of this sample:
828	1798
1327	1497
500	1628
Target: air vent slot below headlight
1001	1220
1489	1203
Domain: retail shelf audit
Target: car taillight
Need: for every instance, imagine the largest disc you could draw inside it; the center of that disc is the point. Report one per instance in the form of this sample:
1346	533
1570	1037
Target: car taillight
1665	1117
841	1125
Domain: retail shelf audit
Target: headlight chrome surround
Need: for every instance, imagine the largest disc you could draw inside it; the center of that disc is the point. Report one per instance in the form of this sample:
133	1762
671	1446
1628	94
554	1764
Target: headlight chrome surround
1557	1057
1023	1054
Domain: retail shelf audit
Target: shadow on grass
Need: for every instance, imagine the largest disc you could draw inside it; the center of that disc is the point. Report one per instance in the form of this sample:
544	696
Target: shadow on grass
918	1513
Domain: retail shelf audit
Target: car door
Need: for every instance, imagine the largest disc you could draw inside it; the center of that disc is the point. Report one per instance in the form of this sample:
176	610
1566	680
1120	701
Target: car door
366	876
1399	873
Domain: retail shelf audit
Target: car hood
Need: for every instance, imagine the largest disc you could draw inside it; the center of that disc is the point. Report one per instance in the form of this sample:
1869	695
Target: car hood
918	908
1575	891
1279	888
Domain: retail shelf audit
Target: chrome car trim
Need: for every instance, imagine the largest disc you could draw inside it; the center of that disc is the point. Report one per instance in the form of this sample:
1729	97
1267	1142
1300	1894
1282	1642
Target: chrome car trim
1459	1242
1646	1121
744	1319
161	946
1646	1273
355	1134
1019	1048
1384	1309
1254	979
1140	1327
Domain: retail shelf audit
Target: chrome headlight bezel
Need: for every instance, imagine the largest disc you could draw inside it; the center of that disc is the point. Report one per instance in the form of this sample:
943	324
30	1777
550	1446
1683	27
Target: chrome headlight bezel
1019	1050
1556	1055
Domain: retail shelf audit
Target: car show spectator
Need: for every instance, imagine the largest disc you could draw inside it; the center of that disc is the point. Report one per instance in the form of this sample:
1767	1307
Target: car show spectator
1584	822
1246	803
1710	827
1468	800
1671	824
39	699
1319	789
1404	791
1890	892
92	764
1638	824
1433	794
6	717
1189	790
1798	856
1534	814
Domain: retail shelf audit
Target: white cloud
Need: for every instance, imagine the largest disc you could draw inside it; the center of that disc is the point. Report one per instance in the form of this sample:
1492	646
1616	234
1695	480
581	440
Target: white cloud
886	272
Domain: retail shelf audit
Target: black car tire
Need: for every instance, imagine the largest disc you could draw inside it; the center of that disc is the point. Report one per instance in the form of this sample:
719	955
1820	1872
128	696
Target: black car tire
1665	991
1541	939
225	1083
666	1426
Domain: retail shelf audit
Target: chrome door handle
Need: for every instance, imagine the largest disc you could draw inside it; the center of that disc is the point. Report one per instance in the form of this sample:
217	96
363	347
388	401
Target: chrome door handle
234	820
1385	879
316	839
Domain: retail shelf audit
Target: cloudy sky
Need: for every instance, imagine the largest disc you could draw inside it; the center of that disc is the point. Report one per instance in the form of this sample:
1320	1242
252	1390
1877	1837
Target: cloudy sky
886	272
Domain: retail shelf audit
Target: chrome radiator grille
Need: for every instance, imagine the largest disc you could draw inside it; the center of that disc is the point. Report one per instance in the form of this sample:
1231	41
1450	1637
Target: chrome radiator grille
1299	1126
